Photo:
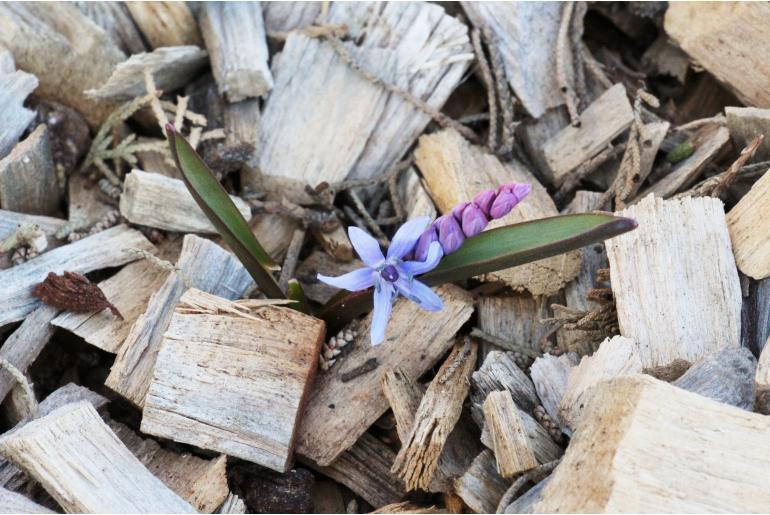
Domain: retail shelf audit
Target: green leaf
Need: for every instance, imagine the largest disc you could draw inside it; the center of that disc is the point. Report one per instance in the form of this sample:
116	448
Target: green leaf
223	214
295	292
496	249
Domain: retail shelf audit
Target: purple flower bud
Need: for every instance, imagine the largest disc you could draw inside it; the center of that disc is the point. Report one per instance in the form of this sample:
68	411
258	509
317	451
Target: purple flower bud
474	221
518	190
457	211
484	200
449	233
508	196
429	236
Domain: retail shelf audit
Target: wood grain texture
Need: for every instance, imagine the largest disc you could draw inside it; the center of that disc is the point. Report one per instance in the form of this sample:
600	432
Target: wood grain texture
28	181
435	418
416	200
455	171
12	502
234	33
166	24
85	203
762	382
286	16
709	457
745	124
499	372
234	381
15	87
616	356
158	201
365	469
335	243
102	250
116	21
726	375
749	226
481	487
525	35
201	482
549	375
64	49
709	144
755	316
338	411
519	442
727	39
171	68
674	279
322	263
428	58
515	319
130	291
602	121
205	266
85	467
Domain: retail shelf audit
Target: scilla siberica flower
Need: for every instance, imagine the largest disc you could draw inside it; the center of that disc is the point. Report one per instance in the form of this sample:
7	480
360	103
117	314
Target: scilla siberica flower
390	274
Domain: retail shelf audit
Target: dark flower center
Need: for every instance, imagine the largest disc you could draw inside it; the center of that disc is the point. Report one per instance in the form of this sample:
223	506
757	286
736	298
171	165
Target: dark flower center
389	273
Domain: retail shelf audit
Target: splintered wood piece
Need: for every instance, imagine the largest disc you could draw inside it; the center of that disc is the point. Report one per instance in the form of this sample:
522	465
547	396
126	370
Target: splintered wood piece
455	171
409	507
604	120
593	258
15	118
345	402
233	504
365	469
201	482
85	203
158	201
215	383
322	263
481	487
515	319
616	356
335	243
286	16
166	24
726	375
416	200
12	502
130	291
651	140
428	59
550	374
439	411
500	372
171	68
762	382
749	226
28	181
102	250
116	21
709	144
745	124
520	443
68	394
703	456
727	39
674	279
11	222
756	306
235	38
203	265
525	34
64	49
404	397
85	467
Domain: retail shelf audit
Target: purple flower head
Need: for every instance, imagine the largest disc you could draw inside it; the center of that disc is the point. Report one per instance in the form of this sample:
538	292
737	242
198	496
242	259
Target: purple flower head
450	235
474	220
484	200
508	196
390	274
457	211
423	244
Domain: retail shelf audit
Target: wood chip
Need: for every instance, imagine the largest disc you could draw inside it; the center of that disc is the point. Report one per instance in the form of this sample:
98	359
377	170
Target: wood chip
749	226
674	279
339	413
726	375
28	182
481	487
499	372
14	89
166	24
550	374
745	124
12	502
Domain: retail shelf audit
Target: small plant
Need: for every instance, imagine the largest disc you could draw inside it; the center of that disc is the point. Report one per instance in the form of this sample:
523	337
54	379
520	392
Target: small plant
452	248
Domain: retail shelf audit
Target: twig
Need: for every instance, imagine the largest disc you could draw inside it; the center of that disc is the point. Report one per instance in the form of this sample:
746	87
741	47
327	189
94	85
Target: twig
21	379
576	35
718	119
160	263
437	116
503	94
494	340
594	67
369	365
376	230
562	51
292	256
729	176
534	475
486	75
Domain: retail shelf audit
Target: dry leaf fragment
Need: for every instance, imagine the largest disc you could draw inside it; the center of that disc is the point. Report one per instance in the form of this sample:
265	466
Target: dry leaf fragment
73	292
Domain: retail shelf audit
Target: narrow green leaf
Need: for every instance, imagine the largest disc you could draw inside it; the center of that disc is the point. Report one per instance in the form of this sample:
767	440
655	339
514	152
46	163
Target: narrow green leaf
223	214
295	292
496	249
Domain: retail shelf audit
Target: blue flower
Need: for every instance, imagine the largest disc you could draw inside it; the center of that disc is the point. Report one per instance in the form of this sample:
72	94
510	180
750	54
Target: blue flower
391	275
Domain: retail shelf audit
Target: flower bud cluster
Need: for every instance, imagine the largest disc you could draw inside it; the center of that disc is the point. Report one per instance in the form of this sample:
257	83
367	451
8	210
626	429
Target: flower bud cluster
468	219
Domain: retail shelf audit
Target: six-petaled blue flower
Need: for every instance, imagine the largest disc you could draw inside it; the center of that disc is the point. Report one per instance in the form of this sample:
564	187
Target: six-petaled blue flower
390	274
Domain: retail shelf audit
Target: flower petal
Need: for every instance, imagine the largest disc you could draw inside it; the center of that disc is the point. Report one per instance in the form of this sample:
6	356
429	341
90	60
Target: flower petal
356	280
435	253
366	246
406	237
383	302
420	294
